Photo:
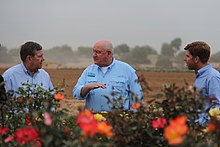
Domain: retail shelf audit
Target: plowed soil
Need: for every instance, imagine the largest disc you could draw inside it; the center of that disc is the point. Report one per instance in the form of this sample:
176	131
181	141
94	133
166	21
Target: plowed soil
155	81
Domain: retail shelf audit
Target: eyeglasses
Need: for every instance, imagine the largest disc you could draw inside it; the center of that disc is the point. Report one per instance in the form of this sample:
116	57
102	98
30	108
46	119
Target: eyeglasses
99	52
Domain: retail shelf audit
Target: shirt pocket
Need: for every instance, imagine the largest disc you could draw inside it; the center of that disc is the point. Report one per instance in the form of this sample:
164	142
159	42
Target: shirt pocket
118	85
91	80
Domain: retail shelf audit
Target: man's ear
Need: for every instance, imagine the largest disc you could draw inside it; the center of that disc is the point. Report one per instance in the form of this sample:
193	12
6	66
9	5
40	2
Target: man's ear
29	58
196	59
109	52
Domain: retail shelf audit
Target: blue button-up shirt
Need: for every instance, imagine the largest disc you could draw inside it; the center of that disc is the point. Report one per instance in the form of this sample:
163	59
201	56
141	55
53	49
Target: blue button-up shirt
120	79
207	85
18	74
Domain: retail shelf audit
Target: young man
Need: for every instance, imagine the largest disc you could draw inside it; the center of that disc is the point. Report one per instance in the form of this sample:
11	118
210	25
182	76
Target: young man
107	77
207	81
29	71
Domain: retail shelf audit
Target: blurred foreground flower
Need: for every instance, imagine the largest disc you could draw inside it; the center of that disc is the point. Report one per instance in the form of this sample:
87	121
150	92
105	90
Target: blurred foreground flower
105	129
210	128
191	88
215	113
176	131
29	120
159	123
47	119
8	139
99	117
59	96
3	130
136	105
87	123
92	124
26	135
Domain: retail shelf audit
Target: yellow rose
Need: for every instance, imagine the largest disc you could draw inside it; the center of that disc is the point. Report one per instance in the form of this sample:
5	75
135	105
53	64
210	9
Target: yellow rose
98	117
215	113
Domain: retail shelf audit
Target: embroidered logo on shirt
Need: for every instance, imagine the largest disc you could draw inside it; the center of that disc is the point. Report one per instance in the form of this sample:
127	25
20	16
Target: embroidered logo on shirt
91	74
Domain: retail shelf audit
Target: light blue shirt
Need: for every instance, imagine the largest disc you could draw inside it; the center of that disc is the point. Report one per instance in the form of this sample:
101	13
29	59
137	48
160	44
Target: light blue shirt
120	79
207	84
18	74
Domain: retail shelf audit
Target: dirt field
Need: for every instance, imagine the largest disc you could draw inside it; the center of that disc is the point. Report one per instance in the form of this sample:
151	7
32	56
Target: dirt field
154	79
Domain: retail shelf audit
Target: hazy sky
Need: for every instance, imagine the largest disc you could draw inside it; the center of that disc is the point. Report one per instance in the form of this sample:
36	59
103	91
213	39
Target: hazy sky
134	22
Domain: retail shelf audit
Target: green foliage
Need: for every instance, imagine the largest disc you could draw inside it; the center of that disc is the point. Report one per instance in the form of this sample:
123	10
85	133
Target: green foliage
169	49
59	54
176	43
139	54
134	128
166	50
215	57
36	106
121	49
13	53
4	56
179	101
179	58
85	51
164	62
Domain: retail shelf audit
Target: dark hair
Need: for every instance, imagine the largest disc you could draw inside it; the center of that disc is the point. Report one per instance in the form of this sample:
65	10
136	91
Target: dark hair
200	49
29	48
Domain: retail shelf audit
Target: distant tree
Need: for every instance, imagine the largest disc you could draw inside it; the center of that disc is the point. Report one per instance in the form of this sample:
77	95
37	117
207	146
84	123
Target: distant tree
67	50
170	49
149	50
164	62
176	44
122	48
179	59
14	55
85	51
59	54
14	52
3	50
166	50
4	56
139	55
215	57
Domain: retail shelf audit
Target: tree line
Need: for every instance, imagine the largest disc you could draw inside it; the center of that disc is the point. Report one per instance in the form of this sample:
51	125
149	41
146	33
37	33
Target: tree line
170	56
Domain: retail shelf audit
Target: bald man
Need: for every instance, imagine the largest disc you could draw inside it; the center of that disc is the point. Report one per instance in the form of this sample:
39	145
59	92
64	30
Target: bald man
107	77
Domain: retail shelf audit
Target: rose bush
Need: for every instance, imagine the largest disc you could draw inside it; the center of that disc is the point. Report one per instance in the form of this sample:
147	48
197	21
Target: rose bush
35	118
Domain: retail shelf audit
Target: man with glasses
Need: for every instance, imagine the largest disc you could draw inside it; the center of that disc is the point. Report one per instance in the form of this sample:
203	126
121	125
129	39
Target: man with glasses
106	80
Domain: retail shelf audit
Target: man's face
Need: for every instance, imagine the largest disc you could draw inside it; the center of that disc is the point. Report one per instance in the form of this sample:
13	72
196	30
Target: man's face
190	60
100	56
37	60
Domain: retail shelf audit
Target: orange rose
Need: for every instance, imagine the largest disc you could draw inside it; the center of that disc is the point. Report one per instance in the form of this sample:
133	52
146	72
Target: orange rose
59	96
136	105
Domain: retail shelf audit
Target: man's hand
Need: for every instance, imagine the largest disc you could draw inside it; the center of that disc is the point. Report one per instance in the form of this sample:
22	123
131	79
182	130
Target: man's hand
85	90
99	85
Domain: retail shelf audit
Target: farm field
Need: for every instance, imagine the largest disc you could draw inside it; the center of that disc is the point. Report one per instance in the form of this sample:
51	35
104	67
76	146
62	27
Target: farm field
155	81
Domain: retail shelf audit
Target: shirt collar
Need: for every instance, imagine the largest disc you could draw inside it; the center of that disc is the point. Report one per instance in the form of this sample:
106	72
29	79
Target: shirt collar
26	71
202	70
110	66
